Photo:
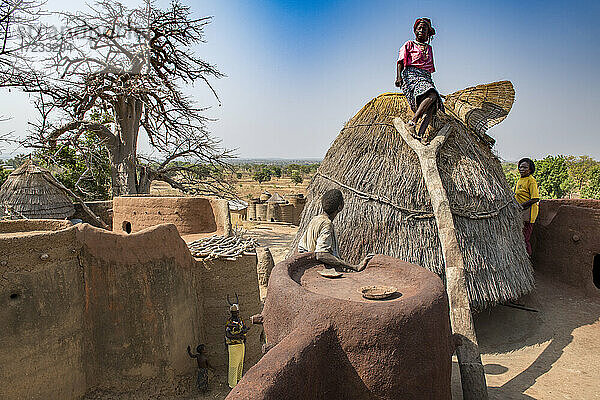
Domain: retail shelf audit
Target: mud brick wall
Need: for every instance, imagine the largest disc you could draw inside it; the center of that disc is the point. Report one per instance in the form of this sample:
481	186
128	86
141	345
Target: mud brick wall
141	307
84	308
41	316
28	225
566	243
188	214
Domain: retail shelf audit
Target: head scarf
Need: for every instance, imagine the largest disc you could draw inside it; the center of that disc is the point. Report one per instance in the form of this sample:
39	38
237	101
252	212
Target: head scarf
427	22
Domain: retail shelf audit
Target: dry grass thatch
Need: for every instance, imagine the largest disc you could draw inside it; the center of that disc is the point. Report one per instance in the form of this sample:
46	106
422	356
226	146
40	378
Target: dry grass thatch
387	206
32	192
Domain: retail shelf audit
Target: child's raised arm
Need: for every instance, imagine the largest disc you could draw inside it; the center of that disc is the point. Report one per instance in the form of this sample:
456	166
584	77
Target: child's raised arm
189	350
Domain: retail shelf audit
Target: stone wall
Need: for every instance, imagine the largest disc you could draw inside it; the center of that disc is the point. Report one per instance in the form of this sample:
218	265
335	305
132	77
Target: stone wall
189	214
566	243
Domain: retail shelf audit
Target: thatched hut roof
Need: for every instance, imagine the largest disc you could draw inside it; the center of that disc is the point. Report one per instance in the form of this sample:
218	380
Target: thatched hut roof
276	198
32	192
387	206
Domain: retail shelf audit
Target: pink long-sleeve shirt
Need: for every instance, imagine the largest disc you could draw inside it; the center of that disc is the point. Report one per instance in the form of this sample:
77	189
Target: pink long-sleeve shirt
411	55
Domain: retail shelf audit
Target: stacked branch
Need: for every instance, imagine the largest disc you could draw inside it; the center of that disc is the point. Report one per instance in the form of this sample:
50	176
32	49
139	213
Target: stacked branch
227	247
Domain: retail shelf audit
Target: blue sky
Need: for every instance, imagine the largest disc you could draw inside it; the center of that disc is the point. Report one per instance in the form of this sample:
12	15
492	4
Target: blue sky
298	70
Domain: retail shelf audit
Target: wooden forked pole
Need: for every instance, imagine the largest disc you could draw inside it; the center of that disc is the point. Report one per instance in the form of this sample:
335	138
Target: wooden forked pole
472	375
68	191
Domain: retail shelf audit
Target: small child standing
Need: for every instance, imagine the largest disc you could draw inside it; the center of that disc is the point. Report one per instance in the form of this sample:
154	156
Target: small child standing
413	75
203	366
527	195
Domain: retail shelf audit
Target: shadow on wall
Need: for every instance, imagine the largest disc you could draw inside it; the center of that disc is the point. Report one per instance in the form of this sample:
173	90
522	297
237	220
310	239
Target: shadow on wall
85	308
566	243
596	271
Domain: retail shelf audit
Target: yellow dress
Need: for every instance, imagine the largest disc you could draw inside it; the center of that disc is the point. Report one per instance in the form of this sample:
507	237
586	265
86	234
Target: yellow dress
526	190
236	363
235	338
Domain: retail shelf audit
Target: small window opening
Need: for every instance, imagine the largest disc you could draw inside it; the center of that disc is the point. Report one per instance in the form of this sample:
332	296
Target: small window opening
596	270
14	296
272	219
127	226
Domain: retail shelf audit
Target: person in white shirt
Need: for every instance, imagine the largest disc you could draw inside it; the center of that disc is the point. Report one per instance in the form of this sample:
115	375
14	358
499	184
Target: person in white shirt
320	238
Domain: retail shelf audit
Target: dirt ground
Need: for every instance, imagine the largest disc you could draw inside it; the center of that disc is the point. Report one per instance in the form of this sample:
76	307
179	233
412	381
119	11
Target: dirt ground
553	353
245	187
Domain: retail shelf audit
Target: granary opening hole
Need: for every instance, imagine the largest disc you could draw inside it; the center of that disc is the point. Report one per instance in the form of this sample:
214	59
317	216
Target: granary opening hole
14	296
596	270
127	226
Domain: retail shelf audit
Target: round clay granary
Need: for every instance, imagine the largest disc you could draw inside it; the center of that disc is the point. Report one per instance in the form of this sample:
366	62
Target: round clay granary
331	343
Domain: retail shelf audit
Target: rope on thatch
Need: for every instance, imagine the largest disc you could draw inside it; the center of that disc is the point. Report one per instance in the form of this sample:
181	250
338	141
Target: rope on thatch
367	125
371	197
412	213
62	187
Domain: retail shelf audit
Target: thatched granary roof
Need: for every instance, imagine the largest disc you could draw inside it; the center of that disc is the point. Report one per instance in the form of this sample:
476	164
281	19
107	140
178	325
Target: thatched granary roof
387	206
276	198
32	192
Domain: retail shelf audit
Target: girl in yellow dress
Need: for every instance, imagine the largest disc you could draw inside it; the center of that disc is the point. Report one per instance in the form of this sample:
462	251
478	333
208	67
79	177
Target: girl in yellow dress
527	195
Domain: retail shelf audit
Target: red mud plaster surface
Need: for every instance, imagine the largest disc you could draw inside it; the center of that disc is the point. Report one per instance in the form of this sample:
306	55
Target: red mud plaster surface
332	344
348	286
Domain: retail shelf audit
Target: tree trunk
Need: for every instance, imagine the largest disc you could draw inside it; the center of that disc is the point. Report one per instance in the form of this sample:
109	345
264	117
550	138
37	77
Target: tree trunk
469	359
145	180
123	152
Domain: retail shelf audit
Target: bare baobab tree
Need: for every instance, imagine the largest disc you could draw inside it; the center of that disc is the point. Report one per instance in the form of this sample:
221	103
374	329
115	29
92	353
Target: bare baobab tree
18	31
130	66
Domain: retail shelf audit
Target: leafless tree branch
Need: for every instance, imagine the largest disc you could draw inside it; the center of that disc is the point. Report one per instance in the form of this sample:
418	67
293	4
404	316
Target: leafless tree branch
130	64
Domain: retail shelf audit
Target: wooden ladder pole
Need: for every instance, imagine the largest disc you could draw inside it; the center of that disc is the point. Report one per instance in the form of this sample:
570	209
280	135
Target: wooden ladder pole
472	375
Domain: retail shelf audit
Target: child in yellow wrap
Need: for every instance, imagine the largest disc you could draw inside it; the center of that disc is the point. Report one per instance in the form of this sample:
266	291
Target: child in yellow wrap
235	338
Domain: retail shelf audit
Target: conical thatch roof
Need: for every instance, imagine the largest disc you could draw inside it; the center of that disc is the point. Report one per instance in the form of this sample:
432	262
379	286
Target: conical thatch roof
387	206
276	198
32	192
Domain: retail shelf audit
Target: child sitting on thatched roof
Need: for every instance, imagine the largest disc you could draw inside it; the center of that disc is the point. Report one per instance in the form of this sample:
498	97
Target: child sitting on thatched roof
320	234
414	69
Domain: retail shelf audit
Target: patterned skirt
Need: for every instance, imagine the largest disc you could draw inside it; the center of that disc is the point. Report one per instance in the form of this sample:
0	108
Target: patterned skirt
415	83
202	380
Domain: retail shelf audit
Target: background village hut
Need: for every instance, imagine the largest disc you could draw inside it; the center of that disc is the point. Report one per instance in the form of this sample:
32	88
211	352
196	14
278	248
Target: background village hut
297	201
238	211
274	207
276	198
32	192
261	211
387	206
